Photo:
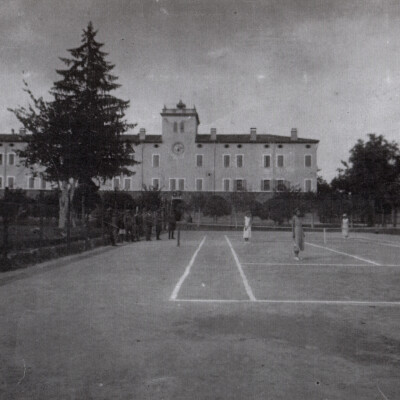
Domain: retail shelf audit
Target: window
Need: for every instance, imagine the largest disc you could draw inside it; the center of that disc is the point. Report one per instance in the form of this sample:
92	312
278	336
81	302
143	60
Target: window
175	127
239	161
280	185
42	184
267	161
266	185
31	182
227	160
239	185
199	160
156	160
116	183
1	182
226	185
11	159
127	183
182	126
172	184
10	182
307	185
1	159
199	185
307	160
279	161
155	182
181	184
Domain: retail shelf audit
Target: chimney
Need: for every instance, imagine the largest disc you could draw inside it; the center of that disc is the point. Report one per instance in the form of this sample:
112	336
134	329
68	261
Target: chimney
22	131
253	134
142	134
293	134
213	133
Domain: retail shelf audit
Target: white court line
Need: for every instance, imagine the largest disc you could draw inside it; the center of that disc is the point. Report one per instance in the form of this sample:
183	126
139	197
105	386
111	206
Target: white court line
345	254
380	242
316	302
245	282
187	270
317	265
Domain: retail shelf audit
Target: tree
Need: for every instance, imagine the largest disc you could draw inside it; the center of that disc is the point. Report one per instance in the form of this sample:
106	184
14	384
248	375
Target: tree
77	136
150	198
372	172
217	206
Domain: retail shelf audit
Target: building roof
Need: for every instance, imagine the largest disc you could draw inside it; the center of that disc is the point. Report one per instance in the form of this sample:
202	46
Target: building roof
246	138
7	137
11	137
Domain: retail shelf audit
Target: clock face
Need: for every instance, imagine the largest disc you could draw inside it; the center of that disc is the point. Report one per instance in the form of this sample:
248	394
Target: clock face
178	148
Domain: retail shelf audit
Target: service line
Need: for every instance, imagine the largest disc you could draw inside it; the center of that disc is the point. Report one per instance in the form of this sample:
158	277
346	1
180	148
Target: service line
187	271
300	302
304	264
345	254
244	279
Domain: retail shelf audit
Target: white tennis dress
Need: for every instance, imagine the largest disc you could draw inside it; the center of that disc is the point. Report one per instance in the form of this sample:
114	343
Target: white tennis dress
247	228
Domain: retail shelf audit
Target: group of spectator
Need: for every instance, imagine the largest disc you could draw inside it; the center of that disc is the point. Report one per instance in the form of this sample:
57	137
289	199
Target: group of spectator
134	225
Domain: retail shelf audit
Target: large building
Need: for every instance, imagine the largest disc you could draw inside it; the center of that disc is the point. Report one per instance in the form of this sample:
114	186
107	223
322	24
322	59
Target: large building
182	159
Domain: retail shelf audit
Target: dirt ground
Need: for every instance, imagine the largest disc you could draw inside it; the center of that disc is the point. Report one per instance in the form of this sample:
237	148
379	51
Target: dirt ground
104	327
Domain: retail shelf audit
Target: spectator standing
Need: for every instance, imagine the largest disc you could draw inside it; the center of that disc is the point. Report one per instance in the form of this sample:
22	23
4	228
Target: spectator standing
158	224
345	226
247	226
298	235
171	225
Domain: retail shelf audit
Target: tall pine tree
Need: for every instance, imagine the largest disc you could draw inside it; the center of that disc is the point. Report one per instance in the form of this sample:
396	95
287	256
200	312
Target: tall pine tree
76	137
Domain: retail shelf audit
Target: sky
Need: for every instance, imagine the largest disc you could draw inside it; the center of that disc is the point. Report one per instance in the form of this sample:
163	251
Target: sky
331	69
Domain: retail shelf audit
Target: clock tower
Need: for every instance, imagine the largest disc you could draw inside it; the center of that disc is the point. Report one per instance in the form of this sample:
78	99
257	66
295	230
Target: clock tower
179	128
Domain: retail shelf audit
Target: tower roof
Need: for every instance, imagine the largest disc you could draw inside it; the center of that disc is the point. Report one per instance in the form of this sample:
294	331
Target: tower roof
180	110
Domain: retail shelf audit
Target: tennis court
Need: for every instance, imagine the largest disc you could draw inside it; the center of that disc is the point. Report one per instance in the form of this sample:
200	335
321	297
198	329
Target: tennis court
360	270
215	318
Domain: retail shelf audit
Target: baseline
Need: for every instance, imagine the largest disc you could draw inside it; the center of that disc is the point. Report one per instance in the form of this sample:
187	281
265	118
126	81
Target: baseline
242	274
345	254
187	271
300	302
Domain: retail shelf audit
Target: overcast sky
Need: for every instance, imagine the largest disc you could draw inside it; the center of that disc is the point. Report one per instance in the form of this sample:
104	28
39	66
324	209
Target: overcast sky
329	68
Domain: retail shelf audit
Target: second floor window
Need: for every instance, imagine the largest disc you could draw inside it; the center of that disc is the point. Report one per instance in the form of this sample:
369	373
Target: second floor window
1	159
1	182
182	126
156	183
11	159
172	184
239	161
181	183
116	183
279	161
199	185
307	160
307	185
199	160
156	160
227	160
267	161
175	127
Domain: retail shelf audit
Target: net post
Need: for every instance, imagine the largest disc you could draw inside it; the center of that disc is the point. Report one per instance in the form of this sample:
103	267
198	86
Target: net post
178	236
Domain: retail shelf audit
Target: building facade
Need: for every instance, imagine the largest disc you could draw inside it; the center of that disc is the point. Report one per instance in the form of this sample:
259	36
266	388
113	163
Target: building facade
182	159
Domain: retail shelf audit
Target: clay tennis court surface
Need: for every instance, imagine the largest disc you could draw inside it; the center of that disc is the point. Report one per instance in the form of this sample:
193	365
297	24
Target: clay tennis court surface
215	318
